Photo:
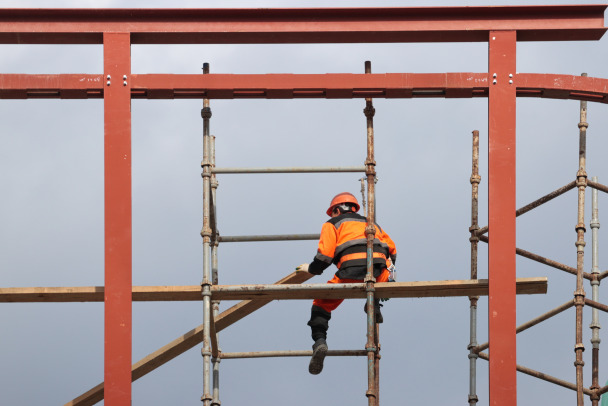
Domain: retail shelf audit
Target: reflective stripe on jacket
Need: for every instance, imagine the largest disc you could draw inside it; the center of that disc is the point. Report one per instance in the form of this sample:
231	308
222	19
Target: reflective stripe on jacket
343	243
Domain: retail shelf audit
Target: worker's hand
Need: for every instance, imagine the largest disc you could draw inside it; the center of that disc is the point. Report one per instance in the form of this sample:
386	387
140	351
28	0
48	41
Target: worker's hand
302	268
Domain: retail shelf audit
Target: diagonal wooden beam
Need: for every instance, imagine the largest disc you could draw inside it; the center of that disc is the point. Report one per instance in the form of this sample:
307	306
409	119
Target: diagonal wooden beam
186	341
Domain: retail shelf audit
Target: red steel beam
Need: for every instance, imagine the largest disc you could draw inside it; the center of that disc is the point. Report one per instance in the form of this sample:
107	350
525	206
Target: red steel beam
117	170
288	86
501	218
302	25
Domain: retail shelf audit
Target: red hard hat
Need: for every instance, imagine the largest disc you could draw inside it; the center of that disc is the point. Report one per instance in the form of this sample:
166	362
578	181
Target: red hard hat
342	198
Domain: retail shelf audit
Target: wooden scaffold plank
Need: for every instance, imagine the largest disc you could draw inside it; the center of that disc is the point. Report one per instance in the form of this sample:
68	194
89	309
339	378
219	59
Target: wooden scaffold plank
283	291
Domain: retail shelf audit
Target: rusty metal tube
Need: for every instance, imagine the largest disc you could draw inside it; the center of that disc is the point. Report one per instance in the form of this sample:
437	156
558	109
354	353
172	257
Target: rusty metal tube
603	390
533	322
596	305
542	259
295	169
542	200
579	293
215	304
546	198
474	239
206	234
277	237
540	375
595	295
306	353
597	186
370	232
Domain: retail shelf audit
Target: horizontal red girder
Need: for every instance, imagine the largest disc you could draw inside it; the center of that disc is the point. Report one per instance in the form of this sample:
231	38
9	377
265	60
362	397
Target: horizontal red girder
288	86
307	25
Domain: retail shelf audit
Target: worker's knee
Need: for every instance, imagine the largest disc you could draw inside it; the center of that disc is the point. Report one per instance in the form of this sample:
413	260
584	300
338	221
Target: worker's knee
319	317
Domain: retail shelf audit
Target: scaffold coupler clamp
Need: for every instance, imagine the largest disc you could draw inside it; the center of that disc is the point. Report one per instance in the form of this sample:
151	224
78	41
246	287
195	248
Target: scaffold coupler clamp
474	237
369	110
206	113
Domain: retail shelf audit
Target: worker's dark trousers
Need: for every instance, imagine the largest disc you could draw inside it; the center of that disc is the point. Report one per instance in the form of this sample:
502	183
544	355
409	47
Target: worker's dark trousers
319	322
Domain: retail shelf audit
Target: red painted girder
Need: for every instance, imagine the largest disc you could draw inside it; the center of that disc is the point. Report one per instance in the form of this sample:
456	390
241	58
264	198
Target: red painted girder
308	25
501	219
562	87
287	86
388	85
118	230
63	86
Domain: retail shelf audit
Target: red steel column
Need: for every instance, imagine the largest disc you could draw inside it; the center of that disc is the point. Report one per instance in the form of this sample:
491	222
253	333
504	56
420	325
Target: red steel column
501	213
117	171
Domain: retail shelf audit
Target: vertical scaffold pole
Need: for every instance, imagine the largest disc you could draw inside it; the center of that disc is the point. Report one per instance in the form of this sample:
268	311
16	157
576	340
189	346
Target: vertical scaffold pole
474	239
206	234
215	304
595	295
370	232
579	294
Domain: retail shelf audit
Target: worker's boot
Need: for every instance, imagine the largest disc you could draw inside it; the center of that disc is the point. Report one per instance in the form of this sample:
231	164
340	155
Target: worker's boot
377	312
319	351
319	323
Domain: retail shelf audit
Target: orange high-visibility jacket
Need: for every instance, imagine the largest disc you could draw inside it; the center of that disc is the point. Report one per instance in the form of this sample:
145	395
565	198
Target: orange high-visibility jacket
343	243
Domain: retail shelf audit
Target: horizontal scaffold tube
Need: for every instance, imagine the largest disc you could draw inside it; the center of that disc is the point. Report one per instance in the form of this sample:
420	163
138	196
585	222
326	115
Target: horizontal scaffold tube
322	169
448	288
276	237
308	353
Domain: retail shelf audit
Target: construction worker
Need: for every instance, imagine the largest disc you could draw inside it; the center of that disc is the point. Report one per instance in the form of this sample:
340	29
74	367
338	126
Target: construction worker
343	242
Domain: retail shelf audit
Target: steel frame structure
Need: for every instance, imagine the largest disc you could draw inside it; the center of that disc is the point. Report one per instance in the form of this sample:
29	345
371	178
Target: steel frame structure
579	301
117	29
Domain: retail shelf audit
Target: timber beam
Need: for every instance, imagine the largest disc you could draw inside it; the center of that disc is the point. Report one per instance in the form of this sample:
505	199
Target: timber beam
447	288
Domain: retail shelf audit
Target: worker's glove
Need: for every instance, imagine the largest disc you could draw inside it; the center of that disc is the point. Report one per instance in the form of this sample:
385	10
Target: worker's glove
302	268
392	275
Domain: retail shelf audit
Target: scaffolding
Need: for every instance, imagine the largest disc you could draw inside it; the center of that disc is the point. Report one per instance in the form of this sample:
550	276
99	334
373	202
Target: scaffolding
501	85
210	351
594	391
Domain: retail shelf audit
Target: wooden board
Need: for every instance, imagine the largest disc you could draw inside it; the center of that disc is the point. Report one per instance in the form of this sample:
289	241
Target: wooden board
287	291
186	341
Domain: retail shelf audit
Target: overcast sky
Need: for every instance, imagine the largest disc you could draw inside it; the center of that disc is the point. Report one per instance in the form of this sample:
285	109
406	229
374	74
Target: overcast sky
52	218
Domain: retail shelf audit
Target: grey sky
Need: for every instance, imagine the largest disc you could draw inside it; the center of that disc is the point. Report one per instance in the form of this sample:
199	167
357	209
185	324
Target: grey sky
52	218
